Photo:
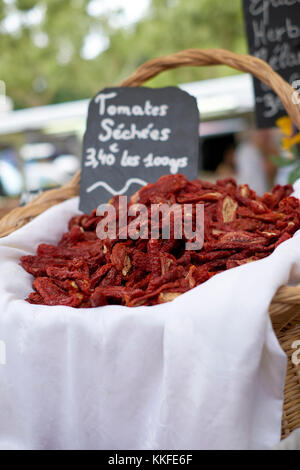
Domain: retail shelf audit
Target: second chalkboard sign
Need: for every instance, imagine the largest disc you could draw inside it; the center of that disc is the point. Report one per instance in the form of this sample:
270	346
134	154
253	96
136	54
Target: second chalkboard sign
134	136
273	32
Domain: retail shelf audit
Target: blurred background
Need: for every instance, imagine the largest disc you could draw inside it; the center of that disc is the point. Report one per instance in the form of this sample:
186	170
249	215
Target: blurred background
55	55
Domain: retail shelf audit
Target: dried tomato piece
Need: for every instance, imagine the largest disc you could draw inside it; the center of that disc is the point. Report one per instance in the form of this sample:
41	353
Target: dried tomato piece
75	234
54	251
245	224
270	235
236	241
77	220
141	245
289	205
167	184
227	209
267	216
167	261
242	254
99	274
185	258
154	257
171	275
84	285
185	198
210	255
113	292
137	300
68	285
240	236
143	283
292	227
285	236
234	263
167	296
84	250
94	262
203	195
270	200
35	298
278	193
75	269
216	232
120	258
197	275
98	299
54	295
37	265
170	245
91	223
201	184
141	260
135	277
210	196
113	277
229	184
244	191
258	207
80	286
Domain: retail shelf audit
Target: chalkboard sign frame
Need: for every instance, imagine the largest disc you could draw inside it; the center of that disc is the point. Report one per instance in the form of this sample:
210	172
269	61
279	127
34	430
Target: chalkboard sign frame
134	135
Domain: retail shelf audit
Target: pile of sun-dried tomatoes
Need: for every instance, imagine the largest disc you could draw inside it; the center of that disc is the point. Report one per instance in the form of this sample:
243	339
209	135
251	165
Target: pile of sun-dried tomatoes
240	227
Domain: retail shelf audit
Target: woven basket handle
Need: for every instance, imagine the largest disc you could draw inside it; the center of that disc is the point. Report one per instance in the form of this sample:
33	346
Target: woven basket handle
190	57
242	62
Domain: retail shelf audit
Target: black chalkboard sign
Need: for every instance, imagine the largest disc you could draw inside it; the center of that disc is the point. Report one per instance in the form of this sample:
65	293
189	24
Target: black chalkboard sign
134	136
273	31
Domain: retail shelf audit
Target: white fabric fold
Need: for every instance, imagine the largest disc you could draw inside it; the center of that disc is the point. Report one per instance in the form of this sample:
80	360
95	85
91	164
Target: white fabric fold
202	372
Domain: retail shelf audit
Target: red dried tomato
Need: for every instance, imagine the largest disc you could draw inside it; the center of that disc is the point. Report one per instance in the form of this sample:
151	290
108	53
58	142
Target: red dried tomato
240	227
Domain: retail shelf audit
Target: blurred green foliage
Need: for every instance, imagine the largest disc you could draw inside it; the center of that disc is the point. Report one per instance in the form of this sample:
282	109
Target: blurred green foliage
41	59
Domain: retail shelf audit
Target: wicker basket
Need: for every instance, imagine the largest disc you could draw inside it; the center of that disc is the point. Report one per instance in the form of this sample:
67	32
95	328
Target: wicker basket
285	306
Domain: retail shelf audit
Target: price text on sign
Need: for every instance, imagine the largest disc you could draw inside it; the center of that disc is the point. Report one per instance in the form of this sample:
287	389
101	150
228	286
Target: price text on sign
273	32
134	136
